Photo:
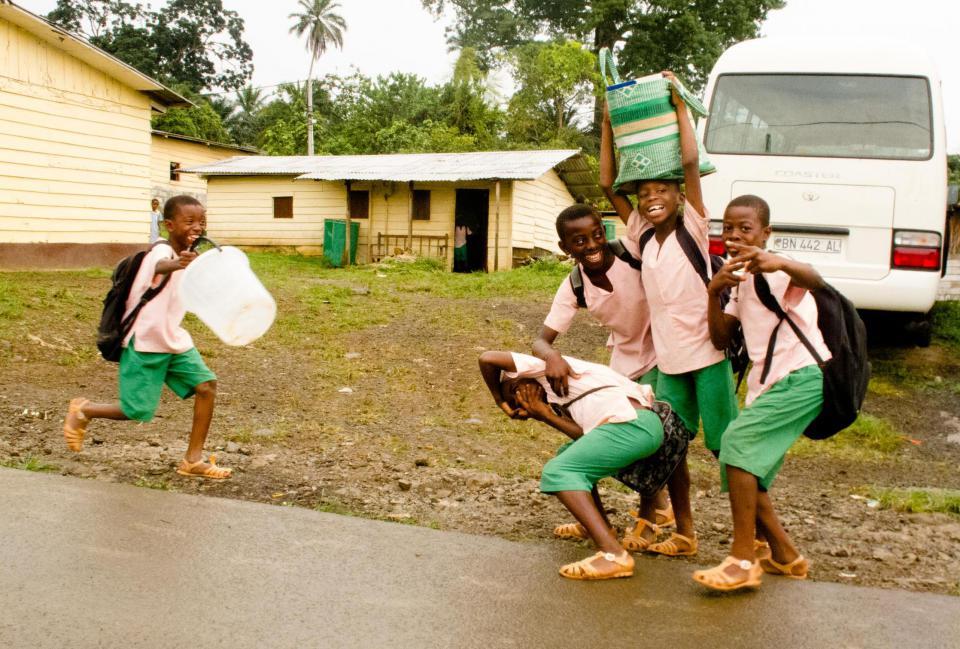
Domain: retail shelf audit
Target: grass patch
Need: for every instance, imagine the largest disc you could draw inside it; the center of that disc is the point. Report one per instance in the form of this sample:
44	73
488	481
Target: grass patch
30	463
869	437
160	485
945	317
946	501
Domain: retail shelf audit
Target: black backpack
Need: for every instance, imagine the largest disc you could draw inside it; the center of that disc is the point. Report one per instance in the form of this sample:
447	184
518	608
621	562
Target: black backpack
846	374
113	326
736	351
576	277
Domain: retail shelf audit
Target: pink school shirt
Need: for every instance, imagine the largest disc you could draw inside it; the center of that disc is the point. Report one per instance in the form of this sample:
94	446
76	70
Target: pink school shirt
157	328
677	296
758	323
610	405
624	312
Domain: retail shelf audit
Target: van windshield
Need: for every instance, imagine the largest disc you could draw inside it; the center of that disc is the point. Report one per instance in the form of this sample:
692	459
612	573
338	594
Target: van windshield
820	115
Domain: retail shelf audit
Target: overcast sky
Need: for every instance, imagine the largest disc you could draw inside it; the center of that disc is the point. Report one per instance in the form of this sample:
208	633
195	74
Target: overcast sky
387	35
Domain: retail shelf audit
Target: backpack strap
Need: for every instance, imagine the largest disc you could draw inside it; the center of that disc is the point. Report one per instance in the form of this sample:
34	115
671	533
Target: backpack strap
621	253
127	323
645	239
576	283
762	289
565	408
692	251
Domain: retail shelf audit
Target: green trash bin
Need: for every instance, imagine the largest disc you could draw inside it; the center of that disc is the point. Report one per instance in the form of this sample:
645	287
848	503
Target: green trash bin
334	240
610	229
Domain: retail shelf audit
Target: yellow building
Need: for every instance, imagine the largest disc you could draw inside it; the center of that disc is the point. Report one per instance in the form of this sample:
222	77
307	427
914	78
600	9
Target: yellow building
170	153
509	200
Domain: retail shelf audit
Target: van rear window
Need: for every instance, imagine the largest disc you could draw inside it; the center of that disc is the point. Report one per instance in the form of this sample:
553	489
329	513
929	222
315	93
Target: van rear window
816	115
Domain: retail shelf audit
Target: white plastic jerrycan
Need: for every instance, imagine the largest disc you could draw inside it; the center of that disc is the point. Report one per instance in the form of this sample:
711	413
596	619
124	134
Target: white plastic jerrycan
225	294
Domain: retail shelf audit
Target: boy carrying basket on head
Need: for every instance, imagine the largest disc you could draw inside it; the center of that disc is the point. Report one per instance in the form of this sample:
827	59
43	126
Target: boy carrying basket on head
694	377
784	390
158	350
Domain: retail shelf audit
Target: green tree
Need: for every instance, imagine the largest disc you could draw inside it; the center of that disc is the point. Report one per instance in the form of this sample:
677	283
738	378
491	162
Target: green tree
244	119
686	36
193	43
199	121
323	27
553	81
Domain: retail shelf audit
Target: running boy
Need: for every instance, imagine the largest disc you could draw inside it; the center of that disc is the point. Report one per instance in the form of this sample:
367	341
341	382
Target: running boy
158	350
610	421
784	390
614	296
694	377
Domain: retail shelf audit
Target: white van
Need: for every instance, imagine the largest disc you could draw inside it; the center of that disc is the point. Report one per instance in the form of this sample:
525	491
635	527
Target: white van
845	140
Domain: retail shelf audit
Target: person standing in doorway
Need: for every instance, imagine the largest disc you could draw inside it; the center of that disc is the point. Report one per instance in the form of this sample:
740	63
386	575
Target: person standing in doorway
156	218
460	258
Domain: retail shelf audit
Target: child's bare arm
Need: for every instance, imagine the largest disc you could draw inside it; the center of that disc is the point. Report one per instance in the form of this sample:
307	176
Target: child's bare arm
531	398
491	364
167	266
689	156
608	169
758	260
557	369
721	324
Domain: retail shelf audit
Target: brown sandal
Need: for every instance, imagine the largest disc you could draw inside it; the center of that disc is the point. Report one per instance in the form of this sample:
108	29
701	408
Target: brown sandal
796	569
666	517
716	578
633	540
677	545
584	570
761	549
197	470
75	424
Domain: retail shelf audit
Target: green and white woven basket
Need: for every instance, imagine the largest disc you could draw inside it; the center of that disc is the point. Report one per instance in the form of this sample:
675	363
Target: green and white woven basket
645	127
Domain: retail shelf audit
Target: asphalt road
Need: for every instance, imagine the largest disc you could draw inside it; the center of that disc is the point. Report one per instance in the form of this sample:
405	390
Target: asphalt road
87	564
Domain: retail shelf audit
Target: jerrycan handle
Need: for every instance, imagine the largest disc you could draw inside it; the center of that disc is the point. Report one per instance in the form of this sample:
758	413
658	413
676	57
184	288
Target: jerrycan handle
197	242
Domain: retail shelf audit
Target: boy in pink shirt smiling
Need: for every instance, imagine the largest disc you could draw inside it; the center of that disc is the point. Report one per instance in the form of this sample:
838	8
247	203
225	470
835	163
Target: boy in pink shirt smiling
158	350
785	390
694	377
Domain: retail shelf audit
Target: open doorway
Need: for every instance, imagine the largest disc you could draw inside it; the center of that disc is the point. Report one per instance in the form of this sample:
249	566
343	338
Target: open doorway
471	215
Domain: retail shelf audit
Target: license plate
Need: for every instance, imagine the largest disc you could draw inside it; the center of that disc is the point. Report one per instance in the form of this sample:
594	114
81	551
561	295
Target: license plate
826	245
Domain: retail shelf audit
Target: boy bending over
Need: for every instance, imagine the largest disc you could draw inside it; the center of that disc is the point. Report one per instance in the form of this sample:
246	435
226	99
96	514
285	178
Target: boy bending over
609	418
158	350
784	391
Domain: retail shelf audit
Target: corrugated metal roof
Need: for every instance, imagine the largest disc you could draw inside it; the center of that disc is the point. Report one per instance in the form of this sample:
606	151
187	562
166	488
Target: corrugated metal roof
400	167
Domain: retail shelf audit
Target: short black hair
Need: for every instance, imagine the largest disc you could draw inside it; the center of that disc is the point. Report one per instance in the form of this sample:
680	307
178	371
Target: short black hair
572	213
755	203
173	204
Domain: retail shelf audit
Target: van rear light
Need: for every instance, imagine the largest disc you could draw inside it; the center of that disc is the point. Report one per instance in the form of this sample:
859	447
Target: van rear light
916	250
716	242
717	246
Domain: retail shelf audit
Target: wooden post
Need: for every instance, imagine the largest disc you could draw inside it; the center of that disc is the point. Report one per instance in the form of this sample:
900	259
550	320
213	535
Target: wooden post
345	260
410	218
496	221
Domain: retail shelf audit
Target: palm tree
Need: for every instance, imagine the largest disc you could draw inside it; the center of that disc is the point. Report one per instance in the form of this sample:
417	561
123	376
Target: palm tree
323	28
245	116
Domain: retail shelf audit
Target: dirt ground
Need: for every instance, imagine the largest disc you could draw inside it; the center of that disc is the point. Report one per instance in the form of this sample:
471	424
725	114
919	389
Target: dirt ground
365	400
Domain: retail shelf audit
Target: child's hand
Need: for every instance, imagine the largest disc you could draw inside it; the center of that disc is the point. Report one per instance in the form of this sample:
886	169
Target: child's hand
729	275
757	260
185	258
675	98
557	370
514	413
532	398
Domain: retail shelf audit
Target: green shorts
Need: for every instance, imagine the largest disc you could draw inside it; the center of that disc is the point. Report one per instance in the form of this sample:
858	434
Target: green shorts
760	437
649	378
460	254
602	453
142	375
707	394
